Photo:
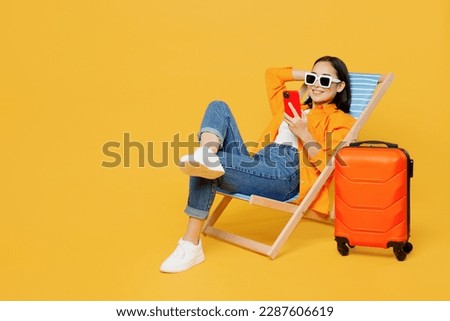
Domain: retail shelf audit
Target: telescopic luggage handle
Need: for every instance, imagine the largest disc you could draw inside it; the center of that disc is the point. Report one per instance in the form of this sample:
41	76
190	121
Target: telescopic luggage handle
373	142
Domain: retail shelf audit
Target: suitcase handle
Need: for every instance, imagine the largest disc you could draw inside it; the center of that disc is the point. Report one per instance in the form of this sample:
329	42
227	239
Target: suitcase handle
373	142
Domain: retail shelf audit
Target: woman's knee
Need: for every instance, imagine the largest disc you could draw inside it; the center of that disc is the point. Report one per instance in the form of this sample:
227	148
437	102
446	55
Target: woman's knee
219	106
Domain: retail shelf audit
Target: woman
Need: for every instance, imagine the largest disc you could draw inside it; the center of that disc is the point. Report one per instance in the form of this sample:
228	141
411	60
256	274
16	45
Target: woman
297	151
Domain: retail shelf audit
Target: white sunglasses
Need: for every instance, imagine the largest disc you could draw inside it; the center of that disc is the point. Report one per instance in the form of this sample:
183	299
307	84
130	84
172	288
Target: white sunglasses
325	81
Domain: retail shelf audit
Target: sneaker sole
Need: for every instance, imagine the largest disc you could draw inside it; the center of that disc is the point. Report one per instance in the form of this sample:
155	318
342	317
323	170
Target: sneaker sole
200	170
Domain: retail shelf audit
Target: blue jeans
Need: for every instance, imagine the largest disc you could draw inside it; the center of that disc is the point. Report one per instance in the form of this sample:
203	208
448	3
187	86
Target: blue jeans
273	172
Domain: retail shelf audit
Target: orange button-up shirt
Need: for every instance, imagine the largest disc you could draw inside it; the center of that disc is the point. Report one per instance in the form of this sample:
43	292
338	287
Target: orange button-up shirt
327	124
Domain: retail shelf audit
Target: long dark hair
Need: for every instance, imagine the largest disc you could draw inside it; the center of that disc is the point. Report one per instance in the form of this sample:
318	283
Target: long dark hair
343	98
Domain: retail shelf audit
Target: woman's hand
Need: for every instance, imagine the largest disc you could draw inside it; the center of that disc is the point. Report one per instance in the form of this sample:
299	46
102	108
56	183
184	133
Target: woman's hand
299	126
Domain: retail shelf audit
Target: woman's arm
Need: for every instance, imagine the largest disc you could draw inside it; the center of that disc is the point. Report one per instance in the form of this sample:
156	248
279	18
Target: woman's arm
298	74
275	85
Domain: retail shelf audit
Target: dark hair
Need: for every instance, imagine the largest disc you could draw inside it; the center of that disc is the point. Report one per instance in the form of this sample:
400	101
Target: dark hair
343	98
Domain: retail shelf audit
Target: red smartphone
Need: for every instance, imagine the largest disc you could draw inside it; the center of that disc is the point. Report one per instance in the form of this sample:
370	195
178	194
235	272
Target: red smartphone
293	97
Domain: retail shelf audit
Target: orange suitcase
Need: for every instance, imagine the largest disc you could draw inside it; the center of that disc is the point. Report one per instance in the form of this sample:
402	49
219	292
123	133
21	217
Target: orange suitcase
372	205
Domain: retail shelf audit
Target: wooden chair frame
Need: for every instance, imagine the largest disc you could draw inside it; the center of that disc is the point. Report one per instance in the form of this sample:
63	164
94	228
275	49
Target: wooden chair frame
298	211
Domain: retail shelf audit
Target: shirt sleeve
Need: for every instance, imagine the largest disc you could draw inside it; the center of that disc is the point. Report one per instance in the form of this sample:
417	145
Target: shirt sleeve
275	85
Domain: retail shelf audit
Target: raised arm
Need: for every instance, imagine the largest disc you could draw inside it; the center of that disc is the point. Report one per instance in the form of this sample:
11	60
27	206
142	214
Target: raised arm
298	74
275	85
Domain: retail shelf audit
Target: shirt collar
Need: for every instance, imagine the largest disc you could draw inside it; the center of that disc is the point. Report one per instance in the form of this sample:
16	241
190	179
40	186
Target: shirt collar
327	108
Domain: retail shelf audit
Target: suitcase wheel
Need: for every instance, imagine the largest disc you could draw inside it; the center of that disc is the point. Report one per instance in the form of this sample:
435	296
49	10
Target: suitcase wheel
401	250
343	249
407	247
400	254
342	246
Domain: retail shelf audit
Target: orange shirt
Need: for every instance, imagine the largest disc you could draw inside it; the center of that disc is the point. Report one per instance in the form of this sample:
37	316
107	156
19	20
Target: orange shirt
327	124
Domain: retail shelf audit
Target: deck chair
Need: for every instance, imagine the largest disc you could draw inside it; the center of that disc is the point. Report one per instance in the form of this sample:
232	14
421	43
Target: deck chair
367	90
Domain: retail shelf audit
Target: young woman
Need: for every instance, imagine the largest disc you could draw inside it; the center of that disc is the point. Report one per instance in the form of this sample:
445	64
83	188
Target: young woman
296	151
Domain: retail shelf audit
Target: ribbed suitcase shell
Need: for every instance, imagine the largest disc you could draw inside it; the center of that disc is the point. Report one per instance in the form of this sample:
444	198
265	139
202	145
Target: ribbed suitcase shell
372	196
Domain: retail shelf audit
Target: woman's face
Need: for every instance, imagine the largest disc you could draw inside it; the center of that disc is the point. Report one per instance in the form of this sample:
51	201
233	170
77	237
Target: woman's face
318	94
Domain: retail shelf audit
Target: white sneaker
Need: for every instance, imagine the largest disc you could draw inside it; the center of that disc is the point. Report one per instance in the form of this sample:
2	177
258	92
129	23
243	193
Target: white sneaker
203	163
185	256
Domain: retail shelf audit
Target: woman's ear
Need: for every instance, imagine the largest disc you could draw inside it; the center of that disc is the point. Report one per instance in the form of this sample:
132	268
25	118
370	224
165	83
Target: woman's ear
340	86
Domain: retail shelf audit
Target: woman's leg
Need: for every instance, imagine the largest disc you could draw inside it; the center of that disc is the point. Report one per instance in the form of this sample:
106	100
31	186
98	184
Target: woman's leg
218	130
193	230
210	140
272	173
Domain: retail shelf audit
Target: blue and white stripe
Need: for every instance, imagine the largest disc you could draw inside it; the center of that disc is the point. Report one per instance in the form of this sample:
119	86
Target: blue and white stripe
362	87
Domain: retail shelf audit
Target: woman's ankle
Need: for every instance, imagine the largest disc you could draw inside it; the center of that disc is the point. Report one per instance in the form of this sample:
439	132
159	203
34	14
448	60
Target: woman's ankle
211	141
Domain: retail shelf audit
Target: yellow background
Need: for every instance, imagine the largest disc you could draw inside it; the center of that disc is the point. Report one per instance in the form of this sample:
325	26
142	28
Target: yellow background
76	74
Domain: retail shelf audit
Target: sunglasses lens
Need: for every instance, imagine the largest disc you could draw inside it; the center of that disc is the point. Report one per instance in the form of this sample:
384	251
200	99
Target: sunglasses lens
310	79
325	81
